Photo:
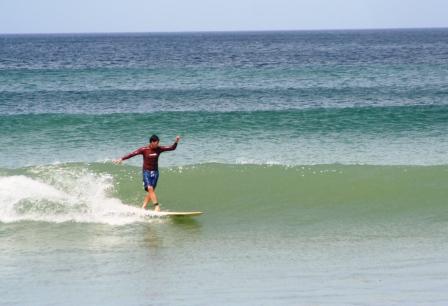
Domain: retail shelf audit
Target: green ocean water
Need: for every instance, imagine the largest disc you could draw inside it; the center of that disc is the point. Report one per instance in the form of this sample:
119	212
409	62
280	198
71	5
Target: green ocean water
270	234
284	194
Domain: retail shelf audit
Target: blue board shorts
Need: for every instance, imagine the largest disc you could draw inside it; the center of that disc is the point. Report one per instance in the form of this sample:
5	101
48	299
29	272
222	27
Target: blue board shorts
150	179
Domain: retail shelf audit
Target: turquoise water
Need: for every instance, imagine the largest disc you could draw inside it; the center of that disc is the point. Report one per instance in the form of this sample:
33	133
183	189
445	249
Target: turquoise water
415	135
319	159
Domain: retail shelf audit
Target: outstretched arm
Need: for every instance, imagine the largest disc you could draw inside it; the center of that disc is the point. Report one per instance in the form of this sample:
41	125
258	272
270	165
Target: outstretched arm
172	147
132	154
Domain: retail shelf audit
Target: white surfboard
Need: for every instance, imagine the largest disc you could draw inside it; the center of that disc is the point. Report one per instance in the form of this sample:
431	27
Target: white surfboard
177	213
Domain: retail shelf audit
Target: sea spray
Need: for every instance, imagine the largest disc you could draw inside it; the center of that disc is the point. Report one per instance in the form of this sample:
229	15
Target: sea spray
62	194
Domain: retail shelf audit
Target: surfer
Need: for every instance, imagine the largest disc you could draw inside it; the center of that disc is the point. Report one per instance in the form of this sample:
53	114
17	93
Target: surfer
150	154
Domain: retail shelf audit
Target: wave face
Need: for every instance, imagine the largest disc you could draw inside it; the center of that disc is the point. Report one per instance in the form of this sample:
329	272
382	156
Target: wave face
299	195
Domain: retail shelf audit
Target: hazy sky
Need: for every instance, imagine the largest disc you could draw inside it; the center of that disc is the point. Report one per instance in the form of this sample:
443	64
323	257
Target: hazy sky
60	16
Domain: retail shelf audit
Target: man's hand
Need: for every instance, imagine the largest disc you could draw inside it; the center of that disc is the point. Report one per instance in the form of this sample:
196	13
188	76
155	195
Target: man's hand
117	161
177	139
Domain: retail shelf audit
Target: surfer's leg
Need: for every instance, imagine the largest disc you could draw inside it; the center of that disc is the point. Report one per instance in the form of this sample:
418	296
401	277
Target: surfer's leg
146	184
150	183
153	196
146	200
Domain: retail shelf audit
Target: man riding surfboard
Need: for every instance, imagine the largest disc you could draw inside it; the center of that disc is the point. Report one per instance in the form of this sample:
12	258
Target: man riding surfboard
150	154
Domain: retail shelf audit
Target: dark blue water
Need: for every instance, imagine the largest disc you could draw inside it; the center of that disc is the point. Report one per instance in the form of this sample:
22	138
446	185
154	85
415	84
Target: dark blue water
222	71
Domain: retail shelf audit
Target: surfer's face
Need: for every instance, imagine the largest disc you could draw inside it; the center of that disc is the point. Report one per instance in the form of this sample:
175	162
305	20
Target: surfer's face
154	145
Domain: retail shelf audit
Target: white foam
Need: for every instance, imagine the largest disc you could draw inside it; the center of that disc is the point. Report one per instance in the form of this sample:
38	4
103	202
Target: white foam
62	195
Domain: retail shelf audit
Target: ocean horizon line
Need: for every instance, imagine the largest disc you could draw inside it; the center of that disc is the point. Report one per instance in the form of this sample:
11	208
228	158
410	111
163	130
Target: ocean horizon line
224	31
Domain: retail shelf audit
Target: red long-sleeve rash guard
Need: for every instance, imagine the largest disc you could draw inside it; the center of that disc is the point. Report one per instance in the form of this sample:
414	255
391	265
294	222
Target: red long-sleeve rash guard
150	156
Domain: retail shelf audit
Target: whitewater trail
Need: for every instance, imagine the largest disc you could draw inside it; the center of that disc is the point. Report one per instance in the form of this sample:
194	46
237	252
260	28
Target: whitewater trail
61	196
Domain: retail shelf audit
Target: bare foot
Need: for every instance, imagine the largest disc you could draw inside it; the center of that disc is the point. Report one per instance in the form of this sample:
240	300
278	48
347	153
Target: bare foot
157	208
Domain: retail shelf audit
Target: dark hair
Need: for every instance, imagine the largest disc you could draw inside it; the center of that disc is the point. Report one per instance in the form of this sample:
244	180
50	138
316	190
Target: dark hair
153	138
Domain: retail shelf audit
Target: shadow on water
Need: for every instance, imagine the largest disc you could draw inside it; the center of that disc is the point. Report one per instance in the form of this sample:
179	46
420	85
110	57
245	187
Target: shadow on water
175	232
187	223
